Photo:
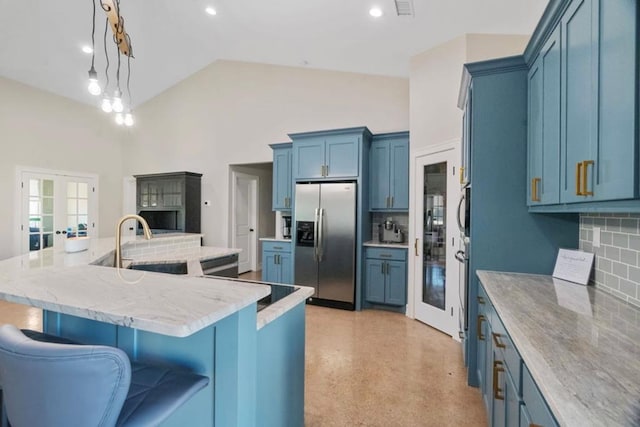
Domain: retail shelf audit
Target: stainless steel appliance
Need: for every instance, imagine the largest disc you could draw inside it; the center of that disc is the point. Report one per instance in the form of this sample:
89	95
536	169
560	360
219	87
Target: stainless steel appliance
388	232
325	217
464	225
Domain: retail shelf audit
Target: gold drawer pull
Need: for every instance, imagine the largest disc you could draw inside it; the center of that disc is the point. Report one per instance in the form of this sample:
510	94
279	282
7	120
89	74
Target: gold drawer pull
585	174
496	340
461	175
497	369
481	319
535	197
480	300
578	178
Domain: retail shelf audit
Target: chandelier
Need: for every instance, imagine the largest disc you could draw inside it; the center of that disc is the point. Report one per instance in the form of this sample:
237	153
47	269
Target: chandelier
112	104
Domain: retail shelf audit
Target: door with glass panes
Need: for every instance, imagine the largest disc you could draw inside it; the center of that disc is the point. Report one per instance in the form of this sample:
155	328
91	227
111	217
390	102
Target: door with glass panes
435	269
56	207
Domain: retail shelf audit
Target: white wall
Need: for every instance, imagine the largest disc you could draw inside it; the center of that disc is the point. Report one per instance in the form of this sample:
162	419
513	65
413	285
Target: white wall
47	131
435	81
229	112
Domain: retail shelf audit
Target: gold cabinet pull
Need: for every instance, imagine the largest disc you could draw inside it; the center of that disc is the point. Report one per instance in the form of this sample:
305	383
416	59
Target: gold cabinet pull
578	178
415	247
585	174
480	300
497	369
481	319
496	339
461	174
535	196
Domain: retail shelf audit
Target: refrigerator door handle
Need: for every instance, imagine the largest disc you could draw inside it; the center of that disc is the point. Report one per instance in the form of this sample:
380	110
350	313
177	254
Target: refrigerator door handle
315	234
320	234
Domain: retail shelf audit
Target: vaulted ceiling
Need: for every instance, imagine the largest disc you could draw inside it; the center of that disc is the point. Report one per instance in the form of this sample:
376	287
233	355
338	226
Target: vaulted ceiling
40	41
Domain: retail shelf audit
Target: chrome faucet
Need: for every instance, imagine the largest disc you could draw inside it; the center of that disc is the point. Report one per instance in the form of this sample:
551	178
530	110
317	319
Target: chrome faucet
145	228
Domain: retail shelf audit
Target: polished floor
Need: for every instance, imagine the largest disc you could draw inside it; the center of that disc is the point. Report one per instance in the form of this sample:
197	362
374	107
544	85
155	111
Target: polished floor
369	368
376	368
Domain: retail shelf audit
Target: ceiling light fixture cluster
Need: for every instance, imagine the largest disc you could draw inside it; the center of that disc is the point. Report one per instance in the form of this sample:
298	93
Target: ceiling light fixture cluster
123	46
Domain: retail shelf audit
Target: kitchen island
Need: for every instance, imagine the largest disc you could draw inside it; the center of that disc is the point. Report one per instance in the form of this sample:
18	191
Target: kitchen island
579	344
207	325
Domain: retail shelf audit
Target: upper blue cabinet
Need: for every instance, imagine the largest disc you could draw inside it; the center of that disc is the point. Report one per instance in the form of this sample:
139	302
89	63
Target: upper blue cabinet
583	110
389	172
328	154
544	125
282	183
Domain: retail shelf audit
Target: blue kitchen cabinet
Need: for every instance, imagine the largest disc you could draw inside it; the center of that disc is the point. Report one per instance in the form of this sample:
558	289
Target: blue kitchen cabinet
510	395
386	275
544	125
389	172
332	154
375	279
595	43
495	94
276	262
533	404
282	177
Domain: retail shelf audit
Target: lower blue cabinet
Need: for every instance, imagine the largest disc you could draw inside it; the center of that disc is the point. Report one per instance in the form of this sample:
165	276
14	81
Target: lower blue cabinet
509	393
386	275
276	262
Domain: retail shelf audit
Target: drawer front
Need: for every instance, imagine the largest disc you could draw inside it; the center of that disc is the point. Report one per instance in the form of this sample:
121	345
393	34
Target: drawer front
276	246
502	341
539	412
399	254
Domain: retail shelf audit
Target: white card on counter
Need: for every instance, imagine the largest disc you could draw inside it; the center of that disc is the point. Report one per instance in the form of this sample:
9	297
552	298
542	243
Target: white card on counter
574	266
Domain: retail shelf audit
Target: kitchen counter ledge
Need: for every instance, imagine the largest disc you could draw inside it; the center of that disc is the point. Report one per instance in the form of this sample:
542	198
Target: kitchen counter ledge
174	305
581	345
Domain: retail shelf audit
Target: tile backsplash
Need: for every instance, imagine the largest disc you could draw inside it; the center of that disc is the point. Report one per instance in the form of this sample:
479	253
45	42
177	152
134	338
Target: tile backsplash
617	260
402	219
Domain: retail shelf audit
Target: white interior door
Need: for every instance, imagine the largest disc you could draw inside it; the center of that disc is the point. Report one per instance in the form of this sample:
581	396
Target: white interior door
436	272
245	205
55	207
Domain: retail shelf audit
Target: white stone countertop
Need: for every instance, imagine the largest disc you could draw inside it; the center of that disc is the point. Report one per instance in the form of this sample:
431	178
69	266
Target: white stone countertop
581	345
376	244
176	305
273	239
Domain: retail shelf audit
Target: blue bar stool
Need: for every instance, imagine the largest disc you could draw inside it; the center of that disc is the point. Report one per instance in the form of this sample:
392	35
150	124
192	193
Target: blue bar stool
56	384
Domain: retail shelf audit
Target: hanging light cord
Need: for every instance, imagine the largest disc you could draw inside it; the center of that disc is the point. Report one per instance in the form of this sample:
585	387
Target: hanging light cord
106	54
93	35
129	71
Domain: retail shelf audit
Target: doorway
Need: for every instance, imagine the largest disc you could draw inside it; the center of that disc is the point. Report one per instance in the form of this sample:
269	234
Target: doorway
435	270
55	206
244	219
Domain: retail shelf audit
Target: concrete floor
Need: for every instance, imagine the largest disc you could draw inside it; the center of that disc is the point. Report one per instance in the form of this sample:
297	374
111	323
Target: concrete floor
369	368
376	368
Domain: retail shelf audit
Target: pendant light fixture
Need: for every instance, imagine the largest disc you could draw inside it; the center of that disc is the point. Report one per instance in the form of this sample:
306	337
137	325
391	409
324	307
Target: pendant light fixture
122	42
94	87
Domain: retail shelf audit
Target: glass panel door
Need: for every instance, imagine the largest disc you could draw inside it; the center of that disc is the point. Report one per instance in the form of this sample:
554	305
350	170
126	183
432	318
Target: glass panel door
434	251
56	207
435	270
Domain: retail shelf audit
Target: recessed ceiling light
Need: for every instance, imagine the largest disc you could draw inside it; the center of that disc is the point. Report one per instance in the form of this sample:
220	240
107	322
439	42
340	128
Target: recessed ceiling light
376	12
210	11
87	49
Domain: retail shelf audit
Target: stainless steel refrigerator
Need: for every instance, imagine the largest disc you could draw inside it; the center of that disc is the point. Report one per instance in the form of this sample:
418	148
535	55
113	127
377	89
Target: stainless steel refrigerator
325	220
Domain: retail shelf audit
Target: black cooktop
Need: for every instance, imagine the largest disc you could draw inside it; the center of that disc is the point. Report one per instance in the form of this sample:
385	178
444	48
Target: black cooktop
277	293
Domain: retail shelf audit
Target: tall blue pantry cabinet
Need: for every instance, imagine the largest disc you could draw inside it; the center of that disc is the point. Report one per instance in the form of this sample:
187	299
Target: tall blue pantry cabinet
504	236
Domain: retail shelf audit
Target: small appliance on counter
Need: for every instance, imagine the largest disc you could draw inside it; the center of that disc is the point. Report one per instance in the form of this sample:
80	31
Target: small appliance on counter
286	227
388	232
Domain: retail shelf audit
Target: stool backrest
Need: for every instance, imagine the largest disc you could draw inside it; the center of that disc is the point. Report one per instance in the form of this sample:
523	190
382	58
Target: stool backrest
47	384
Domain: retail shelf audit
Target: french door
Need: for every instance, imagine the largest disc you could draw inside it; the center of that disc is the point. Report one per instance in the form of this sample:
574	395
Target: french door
55	207
436	273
